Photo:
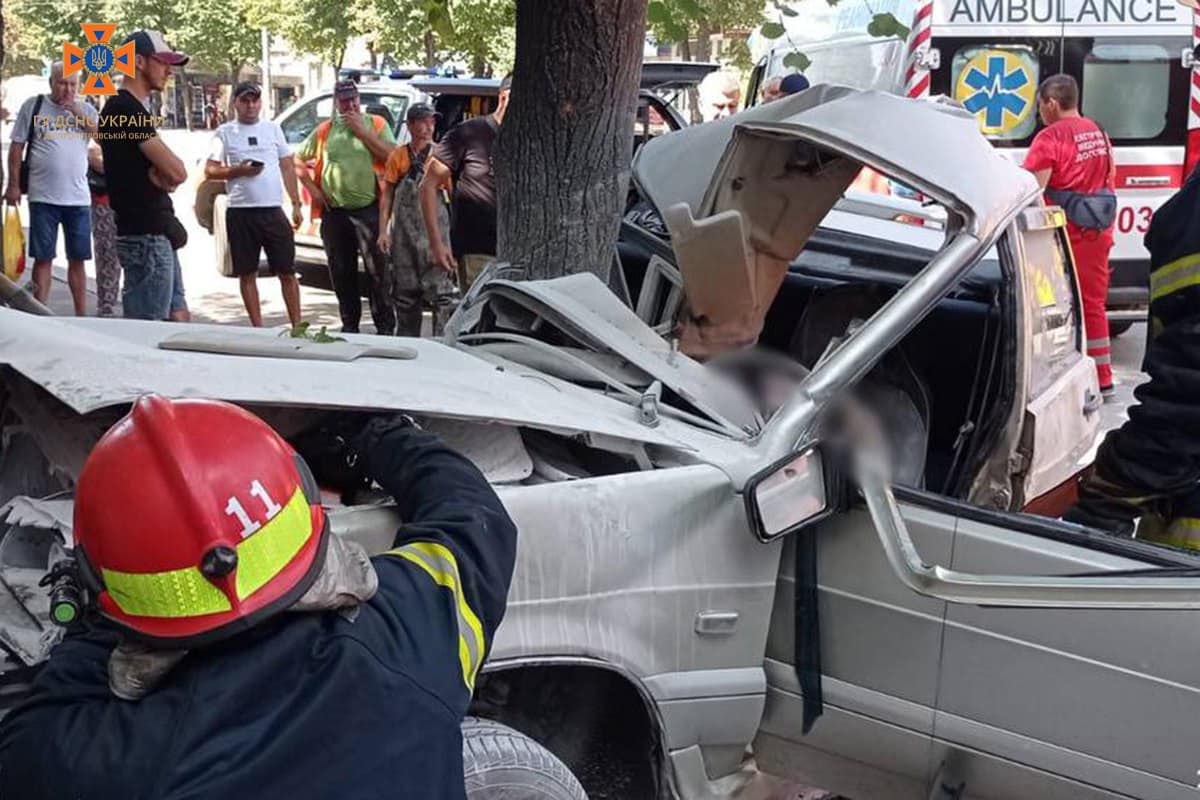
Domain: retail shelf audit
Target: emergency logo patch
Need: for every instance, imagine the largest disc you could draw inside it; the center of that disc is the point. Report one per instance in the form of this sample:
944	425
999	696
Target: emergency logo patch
100	60
998	87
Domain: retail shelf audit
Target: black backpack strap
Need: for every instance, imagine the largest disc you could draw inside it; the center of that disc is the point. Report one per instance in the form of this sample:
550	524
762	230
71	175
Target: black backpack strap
37	106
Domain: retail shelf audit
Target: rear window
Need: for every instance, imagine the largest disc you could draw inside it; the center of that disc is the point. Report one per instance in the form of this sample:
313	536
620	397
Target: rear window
1127	88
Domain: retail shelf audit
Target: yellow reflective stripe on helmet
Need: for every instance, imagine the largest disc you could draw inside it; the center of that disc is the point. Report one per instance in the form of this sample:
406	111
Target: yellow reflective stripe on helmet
264	554
177	593
187	593
439	563
1179	274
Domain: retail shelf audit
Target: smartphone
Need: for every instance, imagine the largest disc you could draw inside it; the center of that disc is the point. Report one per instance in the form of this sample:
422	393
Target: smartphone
254	163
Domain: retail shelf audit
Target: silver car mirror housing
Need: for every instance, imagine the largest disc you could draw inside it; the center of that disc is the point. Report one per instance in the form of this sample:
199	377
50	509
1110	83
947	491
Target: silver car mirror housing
794	493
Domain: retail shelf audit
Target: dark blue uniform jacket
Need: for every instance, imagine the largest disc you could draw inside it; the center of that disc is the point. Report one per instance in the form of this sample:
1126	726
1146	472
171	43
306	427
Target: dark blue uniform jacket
306	705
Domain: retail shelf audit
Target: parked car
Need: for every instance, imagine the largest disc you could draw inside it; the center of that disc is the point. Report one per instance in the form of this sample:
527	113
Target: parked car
455	99
839	509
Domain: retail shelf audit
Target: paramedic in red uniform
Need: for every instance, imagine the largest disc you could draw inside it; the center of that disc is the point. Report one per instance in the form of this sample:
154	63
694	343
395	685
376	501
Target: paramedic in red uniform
1072	160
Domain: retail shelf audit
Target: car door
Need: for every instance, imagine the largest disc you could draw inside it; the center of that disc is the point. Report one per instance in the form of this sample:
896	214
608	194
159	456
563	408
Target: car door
998	701
1044	702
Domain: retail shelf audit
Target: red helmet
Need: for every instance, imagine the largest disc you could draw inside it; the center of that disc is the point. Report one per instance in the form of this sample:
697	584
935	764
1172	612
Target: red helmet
195	520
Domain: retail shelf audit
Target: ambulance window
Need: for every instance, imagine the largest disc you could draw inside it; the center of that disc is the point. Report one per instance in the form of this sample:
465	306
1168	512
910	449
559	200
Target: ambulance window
1126	87
998	84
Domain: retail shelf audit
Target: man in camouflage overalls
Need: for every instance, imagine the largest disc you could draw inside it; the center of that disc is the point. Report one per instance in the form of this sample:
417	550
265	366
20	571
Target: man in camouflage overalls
410	275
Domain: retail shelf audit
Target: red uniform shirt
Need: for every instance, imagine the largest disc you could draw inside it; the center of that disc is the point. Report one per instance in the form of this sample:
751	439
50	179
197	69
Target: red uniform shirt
1076	152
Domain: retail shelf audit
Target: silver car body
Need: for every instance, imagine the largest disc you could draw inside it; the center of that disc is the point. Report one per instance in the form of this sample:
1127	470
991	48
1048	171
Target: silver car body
651	571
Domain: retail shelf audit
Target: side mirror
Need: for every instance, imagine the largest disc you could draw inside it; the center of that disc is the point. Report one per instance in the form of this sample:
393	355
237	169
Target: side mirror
791	494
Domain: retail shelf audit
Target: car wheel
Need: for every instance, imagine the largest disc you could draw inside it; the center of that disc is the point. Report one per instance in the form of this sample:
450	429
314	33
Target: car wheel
1115	329
500	763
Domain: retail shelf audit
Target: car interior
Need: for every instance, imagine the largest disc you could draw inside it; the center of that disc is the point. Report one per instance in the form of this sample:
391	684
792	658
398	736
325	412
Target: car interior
943	416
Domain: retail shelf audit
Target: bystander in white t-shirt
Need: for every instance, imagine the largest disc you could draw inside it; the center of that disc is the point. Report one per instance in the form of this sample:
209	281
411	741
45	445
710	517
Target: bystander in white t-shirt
235	142
58	152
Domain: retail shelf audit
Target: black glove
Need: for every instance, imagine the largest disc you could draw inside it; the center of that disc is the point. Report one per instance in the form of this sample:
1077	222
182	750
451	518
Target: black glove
335	449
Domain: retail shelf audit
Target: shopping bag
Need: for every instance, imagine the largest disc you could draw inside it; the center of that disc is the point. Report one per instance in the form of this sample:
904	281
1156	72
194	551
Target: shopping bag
14	244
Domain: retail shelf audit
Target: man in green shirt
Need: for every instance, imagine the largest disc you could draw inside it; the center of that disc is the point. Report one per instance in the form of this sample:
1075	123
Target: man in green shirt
349	152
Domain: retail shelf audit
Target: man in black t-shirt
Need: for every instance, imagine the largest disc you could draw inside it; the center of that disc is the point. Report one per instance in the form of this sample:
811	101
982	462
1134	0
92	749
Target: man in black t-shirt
141	172
464	156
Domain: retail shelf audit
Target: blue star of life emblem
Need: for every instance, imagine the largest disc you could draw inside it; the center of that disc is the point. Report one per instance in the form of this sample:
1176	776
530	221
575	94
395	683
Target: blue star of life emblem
996	91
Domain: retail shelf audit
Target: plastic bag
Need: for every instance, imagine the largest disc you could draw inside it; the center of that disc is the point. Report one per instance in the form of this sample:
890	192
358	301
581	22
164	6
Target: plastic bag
14	244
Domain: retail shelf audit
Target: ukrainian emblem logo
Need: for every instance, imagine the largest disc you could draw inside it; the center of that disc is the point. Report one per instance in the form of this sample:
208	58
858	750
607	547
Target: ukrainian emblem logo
100	60
996	86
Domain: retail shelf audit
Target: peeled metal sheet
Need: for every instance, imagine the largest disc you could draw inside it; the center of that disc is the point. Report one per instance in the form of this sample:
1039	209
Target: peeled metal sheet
97	363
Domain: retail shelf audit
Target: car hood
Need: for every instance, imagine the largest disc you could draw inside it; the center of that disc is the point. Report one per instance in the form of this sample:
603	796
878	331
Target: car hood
90	364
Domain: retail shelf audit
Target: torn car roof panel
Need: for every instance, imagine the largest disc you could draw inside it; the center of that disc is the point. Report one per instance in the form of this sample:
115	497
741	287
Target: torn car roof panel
90	364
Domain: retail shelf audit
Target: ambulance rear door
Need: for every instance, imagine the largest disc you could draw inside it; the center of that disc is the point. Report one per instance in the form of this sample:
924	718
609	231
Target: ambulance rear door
1133	82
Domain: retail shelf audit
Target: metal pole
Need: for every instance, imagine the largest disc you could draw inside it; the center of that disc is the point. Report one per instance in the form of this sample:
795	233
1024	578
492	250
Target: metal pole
268	95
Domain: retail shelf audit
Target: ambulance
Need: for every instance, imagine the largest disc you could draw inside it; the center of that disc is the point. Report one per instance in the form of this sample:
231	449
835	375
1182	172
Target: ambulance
1133	60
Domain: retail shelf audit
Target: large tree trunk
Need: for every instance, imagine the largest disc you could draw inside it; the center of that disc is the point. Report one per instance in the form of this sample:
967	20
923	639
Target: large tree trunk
562	167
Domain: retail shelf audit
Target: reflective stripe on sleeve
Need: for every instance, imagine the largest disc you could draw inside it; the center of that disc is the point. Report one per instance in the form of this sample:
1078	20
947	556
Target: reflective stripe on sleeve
439	563
1179	274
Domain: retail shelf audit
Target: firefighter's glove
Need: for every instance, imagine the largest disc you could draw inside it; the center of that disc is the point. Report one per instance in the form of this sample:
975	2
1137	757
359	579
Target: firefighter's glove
335	449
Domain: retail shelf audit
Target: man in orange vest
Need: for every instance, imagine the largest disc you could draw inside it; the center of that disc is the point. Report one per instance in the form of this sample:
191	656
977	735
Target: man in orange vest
349	152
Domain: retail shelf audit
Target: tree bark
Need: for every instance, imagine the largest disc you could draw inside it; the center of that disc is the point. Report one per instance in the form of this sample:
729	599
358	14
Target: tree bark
430	52
562	165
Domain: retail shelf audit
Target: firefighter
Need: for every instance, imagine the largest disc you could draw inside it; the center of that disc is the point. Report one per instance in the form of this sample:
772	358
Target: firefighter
1072	160
1150	466
196	526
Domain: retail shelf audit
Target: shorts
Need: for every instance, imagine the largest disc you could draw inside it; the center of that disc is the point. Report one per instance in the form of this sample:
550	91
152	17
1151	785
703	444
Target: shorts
76	222
255	230
153	280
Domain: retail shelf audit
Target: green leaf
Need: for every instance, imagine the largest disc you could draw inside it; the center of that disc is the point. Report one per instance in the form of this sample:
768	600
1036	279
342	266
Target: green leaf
797	61
657	13
773	30
691	9
884	25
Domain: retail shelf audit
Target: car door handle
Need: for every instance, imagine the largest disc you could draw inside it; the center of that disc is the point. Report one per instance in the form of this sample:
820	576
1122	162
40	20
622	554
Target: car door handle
1025	591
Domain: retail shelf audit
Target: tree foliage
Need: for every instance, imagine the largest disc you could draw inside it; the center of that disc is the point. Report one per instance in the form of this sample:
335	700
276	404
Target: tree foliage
215	33
686	21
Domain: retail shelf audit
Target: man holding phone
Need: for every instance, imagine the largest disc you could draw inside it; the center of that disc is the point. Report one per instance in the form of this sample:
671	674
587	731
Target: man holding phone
252	157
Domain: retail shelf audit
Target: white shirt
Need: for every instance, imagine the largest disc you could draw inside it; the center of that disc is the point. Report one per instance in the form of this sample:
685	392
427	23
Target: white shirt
57	154
235	142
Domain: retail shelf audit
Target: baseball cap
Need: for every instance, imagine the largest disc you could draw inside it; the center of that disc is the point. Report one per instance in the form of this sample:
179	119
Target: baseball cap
246	87
420	111
345	88
154	45
796	82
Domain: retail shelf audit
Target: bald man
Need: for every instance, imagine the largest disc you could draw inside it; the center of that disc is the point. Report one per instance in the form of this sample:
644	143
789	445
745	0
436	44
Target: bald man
56	129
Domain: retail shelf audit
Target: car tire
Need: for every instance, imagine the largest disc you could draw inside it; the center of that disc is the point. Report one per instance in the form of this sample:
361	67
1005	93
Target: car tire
1115	329
500	763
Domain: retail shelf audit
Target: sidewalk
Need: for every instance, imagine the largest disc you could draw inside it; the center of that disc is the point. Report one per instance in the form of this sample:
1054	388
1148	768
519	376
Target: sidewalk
219	301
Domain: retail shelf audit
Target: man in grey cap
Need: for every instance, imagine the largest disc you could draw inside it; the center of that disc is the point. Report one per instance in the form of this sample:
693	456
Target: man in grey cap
141	172
412	275
348	153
